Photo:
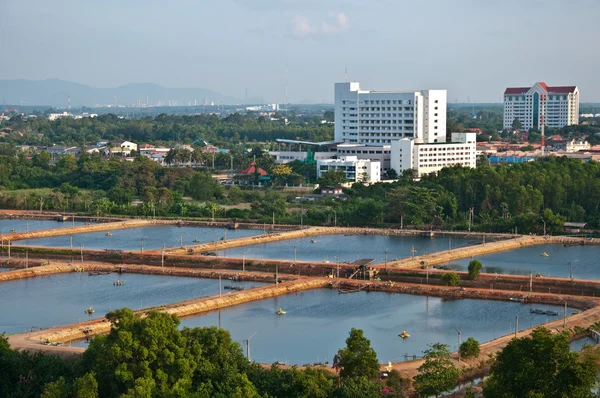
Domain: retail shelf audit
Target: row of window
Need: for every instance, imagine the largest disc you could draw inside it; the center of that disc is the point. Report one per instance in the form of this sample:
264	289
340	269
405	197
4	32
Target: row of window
380	102
529	97
359	152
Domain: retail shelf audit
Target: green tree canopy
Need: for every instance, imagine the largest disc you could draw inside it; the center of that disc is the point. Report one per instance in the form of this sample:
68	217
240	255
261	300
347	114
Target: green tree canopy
357	358
474	269
469	348
438	374
541	365
450	278
332	178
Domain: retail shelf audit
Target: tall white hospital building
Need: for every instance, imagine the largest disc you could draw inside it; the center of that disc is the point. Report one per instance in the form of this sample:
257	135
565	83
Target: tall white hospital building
559	105
409	125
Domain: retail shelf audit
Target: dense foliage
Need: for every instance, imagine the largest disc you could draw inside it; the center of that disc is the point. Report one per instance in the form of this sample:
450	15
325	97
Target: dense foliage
232	129
152	357
541	365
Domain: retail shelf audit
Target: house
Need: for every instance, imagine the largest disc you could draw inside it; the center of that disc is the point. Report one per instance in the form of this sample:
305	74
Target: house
125	145
332	191
574	227
94	149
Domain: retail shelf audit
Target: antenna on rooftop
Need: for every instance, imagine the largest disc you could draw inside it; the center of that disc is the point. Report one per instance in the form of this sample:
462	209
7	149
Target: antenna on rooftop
346	74
286	83
69	102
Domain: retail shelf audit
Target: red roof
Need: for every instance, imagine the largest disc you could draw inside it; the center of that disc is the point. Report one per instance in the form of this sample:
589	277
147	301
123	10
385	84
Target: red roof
550	90
562	89
252	170
516	90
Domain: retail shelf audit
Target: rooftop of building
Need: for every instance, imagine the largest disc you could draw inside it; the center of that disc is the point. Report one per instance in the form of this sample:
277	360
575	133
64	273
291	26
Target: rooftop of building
548	89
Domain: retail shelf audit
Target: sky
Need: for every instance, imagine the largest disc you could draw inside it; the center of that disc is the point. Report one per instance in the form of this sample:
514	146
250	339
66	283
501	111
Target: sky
472	48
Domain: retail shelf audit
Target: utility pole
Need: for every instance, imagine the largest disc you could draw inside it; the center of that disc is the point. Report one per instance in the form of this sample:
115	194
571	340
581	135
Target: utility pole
530	282
294	255
181	240
248	346
565	316
276	274
219	285
9	245
413	251
27	259
386	252
71	241
401	221
458	349
544	228
335	218
81	251
162	256
142	246
273	218
571	269
516	326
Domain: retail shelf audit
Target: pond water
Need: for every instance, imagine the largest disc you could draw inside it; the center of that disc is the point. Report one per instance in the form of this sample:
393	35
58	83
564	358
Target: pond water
586	261
20	225
131	239
6	269
46	301
577	345
317	323
347	248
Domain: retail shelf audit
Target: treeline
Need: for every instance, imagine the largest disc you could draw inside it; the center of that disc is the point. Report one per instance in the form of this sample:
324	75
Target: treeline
233	129
551	191
152	357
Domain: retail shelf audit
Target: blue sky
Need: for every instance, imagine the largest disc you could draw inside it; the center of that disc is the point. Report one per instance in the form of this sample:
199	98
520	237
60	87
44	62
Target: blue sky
472	48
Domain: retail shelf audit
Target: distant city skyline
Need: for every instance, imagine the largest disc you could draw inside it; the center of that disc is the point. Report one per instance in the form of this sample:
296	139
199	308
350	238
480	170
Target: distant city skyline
471	48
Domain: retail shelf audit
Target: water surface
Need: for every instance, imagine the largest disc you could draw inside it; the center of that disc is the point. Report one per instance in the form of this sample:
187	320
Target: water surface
131	239
586	261
577	345
347	248
317	323
46	301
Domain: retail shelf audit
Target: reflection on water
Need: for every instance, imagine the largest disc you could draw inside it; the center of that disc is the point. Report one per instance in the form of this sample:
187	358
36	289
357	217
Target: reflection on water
318	322
522	261
46	301
20	225
347	248
131	239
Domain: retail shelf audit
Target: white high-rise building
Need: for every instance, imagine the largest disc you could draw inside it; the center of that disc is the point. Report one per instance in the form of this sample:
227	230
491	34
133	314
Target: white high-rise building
380	117
559	105
400	130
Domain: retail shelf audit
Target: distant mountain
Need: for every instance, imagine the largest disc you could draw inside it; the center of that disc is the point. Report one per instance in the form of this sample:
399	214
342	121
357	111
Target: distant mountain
55	93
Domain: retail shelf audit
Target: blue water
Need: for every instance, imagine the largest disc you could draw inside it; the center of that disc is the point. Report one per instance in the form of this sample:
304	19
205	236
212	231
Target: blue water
46	301
131	239
318	322
586	261
347	248
577	345
20	225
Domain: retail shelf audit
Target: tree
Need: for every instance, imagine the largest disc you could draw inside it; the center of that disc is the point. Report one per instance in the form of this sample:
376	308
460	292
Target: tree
357	358
358	387
204	187
141	355
438	374
469	348
391	173
418	204
332	178
516	124
474	269
541	365
450	278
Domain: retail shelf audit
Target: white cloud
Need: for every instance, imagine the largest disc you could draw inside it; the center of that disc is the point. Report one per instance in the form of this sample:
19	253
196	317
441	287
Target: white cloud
340	23
336	23
301	26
